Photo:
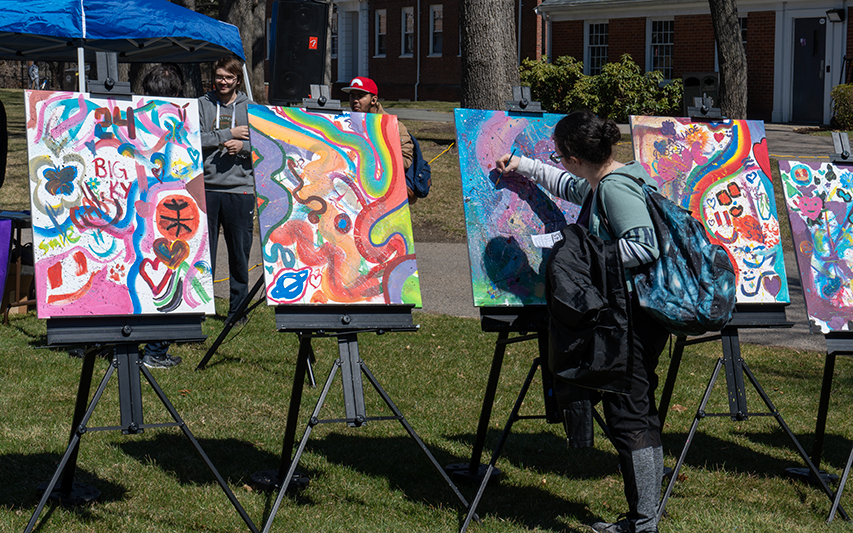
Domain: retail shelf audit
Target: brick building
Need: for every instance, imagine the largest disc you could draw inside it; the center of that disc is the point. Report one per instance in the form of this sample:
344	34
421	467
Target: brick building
411	48
795	50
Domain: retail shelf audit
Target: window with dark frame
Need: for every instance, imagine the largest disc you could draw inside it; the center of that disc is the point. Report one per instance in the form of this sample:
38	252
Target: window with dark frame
333	30
436	29
597	47
381	30
408	31
662	45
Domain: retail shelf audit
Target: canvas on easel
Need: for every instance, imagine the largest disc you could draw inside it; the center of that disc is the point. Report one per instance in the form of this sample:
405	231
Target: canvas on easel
335	226
118	208
720	171
509	219
819	196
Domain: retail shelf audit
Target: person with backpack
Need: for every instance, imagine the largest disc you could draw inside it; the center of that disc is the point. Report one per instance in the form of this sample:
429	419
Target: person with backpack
364	98
584	147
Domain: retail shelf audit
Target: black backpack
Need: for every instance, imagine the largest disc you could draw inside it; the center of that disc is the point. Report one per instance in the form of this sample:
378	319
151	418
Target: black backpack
419	175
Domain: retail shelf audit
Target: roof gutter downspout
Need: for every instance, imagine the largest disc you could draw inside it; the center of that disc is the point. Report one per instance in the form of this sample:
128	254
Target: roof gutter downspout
518	44
418	59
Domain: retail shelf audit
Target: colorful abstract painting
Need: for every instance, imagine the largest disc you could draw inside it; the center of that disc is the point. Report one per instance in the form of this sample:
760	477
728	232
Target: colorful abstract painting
509	219
118	211
819	197
720	171
333	209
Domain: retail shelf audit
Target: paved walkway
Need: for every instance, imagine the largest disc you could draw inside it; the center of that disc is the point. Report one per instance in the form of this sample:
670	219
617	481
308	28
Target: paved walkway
445	272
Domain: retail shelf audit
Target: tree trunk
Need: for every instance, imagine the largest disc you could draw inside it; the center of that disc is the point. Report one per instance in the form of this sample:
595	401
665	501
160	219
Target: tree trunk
733	89
489	55
327	65
248	16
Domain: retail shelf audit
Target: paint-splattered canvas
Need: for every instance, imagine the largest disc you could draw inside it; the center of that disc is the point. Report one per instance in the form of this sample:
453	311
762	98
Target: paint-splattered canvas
118	211
505	216
333	209
819	197
720	171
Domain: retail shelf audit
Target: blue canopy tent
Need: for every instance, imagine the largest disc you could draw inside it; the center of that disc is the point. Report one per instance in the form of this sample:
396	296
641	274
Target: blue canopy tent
138	31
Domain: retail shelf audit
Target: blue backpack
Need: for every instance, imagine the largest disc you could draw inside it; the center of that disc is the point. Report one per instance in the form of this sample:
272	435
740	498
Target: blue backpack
419	175
691	287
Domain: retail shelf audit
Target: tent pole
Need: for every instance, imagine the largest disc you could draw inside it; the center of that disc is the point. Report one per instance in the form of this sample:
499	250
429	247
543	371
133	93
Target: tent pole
81	69
247	82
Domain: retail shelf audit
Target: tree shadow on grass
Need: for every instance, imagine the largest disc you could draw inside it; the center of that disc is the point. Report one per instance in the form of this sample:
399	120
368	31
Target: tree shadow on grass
407	469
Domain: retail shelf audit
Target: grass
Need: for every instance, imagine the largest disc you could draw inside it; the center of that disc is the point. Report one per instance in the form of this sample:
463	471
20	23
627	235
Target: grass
374	479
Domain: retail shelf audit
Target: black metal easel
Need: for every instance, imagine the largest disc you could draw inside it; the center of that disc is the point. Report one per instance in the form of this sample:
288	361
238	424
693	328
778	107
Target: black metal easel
345	323
122	335
745	316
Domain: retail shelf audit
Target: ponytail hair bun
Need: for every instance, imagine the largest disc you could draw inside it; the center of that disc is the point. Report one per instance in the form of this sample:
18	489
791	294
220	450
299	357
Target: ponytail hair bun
584	135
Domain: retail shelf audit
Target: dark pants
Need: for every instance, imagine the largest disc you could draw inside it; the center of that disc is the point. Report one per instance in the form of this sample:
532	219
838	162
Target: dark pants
633	418
234	212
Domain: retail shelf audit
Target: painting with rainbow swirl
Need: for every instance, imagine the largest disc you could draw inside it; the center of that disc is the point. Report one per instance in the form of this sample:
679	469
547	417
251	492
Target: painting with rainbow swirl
720	171
819	196
508	218
333	209
118	210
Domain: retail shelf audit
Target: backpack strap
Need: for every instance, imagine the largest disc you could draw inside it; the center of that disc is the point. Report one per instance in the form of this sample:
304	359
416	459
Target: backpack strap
601	212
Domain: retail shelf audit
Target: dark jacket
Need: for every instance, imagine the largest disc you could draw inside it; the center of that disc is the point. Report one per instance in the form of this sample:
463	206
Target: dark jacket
589	313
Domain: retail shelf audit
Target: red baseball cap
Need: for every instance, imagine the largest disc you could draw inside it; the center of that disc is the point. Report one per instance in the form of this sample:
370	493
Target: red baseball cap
362	84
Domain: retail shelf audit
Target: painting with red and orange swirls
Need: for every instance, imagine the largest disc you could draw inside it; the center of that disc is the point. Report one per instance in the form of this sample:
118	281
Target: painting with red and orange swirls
332	205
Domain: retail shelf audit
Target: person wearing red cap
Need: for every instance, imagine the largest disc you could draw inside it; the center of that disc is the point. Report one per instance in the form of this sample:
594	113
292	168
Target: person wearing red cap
364	98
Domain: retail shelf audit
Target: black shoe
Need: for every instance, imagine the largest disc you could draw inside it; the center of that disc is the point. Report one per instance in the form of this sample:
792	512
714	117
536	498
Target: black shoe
160	361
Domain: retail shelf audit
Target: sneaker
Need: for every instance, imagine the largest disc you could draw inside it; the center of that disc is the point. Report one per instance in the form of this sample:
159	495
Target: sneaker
623	526
160	361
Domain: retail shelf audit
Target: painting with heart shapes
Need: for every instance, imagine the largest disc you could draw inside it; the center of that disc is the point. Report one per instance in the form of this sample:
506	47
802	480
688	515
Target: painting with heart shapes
720	171
819	196
332	207
118	210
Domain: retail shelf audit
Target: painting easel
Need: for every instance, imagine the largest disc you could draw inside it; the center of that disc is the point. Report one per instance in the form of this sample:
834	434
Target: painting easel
837	343
344	323
123	335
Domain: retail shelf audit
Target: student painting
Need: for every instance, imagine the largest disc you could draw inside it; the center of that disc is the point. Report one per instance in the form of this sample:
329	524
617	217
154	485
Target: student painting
228	180
584	145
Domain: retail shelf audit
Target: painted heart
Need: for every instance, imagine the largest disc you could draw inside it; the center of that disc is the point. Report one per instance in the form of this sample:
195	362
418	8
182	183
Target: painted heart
830	286
736	211
152	270
315	278
143	208
762	156
172	254
811	206
773	284
719	136
660	146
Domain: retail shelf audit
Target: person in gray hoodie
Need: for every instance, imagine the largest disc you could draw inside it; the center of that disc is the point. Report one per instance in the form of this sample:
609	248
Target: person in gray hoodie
228	181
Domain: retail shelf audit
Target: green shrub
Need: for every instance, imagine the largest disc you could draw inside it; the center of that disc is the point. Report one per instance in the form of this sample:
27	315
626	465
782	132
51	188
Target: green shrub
842	106
620	90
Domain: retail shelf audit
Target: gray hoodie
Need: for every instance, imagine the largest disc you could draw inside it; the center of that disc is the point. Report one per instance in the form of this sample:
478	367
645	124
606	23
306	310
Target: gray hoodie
224	172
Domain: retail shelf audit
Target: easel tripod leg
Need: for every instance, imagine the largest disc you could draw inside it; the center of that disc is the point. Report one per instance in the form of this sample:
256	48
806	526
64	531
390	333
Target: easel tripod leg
669	384
700	414
177	418
797	445
513	416
238	314
71	450
473	469
411	432
837	499
285	482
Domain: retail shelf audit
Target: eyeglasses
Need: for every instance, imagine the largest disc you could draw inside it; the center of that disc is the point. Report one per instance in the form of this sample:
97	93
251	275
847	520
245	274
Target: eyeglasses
556	158
229	79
